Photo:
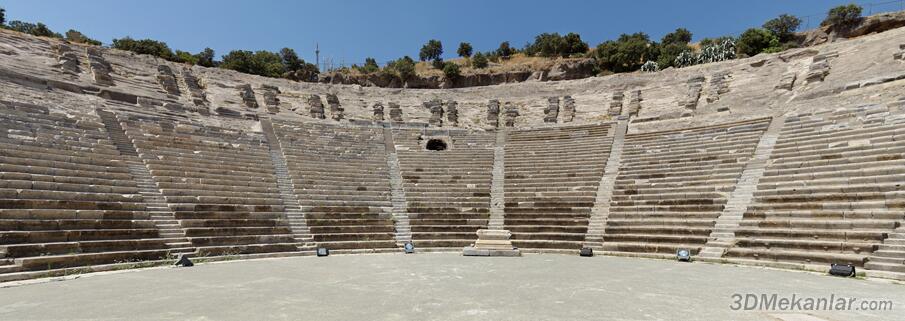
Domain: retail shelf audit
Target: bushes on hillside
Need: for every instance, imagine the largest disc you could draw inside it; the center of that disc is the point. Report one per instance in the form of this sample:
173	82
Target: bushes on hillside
479	61
404	68
552	45
451	70
756	40
783	27
504	50
671	46
432	51
465	50
35	29
625	54
77	37
145	46
844	15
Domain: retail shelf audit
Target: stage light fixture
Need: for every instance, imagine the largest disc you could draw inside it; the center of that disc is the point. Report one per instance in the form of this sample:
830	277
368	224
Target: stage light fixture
586	251
409	248
323	251
683	255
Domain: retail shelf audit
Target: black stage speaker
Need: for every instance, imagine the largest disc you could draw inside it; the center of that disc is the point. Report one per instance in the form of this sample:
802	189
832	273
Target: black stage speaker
846	270
323	251
586	251
184	261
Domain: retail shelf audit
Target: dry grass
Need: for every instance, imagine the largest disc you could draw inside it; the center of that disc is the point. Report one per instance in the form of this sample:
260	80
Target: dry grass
518	62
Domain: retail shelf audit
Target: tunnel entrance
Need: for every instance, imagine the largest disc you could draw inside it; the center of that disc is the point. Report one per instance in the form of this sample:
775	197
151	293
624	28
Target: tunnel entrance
435	144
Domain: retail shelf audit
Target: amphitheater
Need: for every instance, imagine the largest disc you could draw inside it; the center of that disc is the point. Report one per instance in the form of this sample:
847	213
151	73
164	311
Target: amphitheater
768	169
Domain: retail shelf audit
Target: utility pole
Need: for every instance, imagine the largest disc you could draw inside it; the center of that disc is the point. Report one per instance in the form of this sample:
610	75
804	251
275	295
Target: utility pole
317	55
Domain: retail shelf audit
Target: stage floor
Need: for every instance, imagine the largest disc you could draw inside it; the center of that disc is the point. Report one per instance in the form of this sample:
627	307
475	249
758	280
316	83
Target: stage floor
441	287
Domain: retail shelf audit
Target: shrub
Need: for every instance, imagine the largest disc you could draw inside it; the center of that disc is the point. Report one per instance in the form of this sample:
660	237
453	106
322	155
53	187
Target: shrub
206	58
262	63
464	50
432	50
714	41
404	67
451	70
756	40
479	61
77	37
844	15
552	44
680	36
35	29
669	53
718	52
145	46
625	54
2	16
186	57
783	26
685	59
370	66
504	51
650	66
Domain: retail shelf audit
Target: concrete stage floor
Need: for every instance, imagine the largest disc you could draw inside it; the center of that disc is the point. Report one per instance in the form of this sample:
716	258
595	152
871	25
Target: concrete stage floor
437	287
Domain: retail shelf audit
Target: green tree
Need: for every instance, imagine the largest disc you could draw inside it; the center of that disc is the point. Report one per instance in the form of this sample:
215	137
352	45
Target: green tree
145	46
262	63
370	66
404	67
671	46
432	50
2	16
783	26
626	54
291	60
35	29
479	61
451	70
680	36
552	45
186	57
756	40
464	50
844	15
205	58
573	45
77	37
504	50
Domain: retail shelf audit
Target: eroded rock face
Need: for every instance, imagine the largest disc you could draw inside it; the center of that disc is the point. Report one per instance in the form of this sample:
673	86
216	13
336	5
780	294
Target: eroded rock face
378	111
493	113
616	104
436	109
395	112
568	109
271	98
194	88
167	80
511	113
868	25
551	113
100	68
248	96
634	104
570	69
452	112
68	58
336	110
316	107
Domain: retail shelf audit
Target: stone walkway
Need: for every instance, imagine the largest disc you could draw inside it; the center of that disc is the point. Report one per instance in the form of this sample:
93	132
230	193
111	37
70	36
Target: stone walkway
436	287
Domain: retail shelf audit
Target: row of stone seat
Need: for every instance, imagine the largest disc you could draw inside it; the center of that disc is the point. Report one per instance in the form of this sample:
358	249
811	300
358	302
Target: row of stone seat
220	184
66	199
829	193
551	180
673	185
340	175
448	190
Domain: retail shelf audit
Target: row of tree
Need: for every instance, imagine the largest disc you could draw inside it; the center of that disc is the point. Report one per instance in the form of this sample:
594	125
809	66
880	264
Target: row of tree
629	52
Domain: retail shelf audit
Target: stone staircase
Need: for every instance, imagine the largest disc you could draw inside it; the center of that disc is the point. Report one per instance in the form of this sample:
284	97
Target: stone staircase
400	205
160	213
890	256
294	214
723	234
497	187
597	223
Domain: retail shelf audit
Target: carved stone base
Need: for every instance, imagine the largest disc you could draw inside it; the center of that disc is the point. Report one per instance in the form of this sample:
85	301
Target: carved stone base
492	243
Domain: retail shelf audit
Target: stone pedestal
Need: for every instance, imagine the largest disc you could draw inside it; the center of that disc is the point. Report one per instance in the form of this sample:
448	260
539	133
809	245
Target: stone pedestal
492	243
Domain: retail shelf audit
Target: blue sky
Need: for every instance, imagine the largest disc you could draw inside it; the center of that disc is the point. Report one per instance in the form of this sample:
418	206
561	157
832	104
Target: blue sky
348	31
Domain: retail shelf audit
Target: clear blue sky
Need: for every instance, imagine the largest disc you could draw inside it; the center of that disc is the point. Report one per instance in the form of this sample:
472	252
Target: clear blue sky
352	30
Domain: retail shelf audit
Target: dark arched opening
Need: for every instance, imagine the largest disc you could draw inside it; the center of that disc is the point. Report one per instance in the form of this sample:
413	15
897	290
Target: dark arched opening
435	144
